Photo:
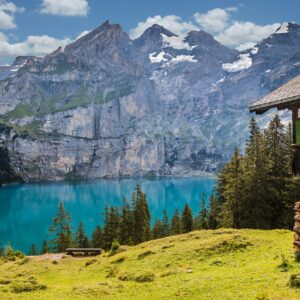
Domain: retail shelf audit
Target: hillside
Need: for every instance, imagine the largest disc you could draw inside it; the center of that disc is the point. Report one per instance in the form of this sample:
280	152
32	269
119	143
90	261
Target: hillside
221	264
109	106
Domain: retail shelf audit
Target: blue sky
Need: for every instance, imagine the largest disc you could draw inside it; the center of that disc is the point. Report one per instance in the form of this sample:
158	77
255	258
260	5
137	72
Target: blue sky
39	26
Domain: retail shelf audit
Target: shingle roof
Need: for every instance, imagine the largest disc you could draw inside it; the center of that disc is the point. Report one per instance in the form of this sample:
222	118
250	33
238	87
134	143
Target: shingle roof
282	97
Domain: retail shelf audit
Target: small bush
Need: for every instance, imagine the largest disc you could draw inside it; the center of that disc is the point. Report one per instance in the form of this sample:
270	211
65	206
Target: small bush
114	247
27	286
217	262
167	246
54	262
4	281
9	254
284	265
90	262
126	277
119	260
295	280
146	253
24	260
146	277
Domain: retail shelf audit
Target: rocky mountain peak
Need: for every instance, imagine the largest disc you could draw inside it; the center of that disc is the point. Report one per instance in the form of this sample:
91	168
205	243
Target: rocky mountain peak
106	33
153	35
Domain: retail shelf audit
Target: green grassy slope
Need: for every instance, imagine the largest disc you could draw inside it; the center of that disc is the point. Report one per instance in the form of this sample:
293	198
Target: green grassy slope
221	264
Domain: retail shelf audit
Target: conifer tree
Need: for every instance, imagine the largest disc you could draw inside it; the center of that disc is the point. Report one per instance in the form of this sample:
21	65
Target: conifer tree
214	211
233	208
33	250
176	223
141	216
111	226
158	230
81	240
97	238
203	215
45	248
61	230
187	219
126	224
166	224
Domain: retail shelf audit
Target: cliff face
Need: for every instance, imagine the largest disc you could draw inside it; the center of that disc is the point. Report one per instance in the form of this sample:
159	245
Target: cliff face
108	106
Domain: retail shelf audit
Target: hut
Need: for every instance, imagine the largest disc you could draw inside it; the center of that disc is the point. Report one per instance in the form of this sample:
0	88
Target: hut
286	96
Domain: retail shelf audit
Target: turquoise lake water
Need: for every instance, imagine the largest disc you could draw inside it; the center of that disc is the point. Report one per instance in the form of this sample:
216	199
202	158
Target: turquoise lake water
27	210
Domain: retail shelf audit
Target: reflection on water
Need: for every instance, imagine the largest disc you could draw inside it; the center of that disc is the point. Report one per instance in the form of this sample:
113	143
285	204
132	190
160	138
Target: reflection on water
26	210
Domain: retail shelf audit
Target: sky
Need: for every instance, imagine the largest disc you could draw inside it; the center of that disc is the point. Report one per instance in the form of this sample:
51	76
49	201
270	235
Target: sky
38	27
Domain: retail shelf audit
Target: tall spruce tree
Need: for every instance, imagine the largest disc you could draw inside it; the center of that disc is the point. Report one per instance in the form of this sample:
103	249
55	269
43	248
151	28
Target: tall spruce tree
214	211
141	214
203	215
45	248
33	250
126	224
81	240
60	230
232	211
176	223
158	230
166	224
98	238
187	219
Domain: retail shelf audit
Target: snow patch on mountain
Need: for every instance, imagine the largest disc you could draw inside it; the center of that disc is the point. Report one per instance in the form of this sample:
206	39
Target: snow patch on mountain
157	58
284	28
183	58
244	62
175	42
254	50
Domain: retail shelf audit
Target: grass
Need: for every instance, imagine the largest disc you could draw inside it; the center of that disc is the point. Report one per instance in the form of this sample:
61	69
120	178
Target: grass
222	264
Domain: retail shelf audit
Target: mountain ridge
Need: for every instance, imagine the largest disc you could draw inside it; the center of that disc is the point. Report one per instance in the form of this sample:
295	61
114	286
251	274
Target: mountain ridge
162	104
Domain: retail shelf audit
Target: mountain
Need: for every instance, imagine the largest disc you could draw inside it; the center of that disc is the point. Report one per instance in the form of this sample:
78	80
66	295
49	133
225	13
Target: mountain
162	104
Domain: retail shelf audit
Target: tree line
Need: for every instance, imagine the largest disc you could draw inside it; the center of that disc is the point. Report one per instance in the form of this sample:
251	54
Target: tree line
129	224
255	189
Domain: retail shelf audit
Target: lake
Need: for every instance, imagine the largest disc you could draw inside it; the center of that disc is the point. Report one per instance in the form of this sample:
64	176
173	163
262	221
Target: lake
27	210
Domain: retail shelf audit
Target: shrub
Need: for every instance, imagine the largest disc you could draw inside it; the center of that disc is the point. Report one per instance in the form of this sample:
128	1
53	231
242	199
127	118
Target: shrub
119	260
9	254
90	262
284	265
146	253
295	280
145	277
5	281
114	247
27	286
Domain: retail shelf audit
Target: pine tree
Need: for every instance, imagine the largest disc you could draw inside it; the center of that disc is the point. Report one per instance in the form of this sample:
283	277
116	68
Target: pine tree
81	240
61	230
33	250
176	223
97	238
111	226
257	207
141	216
126	224
45	248
187	219
234	206
214	211
166	224
203	215
158	230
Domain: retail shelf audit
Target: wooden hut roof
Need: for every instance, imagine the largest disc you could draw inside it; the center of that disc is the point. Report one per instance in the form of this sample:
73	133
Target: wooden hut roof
285	96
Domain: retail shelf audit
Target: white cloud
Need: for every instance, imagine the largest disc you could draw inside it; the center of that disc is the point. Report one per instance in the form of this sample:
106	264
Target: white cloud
171	22
243	33
7	11
214	20
65	7
219	22
33	45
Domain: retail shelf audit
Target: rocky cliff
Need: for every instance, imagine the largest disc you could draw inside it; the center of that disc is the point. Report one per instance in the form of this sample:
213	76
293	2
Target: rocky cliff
109	106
